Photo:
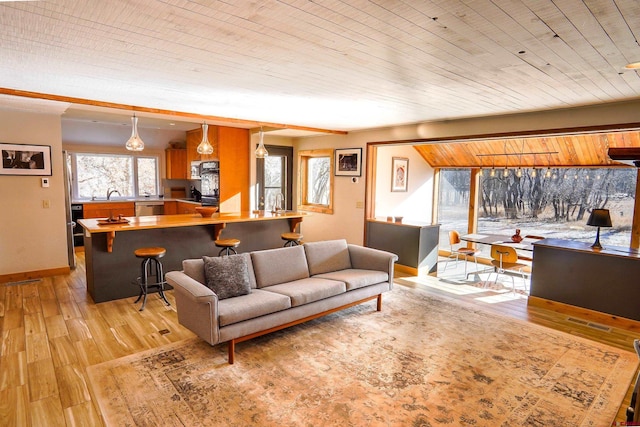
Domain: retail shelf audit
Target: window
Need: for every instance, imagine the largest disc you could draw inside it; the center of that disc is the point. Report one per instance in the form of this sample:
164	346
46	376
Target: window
316	180
453	203
273	177
556	202
130	176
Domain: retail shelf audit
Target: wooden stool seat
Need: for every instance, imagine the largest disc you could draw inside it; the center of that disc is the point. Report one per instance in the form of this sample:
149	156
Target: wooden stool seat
150	252
291	239
227	245
150	267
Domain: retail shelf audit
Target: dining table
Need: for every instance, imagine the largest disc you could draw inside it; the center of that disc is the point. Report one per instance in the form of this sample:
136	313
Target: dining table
499	239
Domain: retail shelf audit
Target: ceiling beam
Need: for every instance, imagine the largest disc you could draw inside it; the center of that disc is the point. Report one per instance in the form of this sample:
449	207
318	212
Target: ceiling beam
126	107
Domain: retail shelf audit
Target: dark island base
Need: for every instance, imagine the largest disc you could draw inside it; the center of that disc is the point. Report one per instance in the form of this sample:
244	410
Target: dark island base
111	276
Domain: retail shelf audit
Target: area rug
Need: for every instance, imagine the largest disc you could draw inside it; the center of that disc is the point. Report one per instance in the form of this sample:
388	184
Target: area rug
422	361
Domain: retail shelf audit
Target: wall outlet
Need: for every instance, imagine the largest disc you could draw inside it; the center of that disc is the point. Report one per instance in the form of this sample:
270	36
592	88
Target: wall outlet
46	204
359	205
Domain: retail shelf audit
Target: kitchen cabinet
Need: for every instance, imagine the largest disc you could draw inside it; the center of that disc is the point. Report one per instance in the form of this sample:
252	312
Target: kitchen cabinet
170	207
193	140
231	147
186	207
108	209
234	154
176	163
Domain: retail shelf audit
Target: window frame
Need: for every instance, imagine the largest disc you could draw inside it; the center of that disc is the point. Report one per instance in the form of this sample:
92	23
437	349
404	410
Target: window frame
134	165
303	161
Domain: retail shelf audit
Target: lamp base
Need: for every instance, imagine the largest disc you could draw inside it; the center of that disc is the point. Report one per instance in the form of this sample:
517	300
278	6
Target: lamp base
596	244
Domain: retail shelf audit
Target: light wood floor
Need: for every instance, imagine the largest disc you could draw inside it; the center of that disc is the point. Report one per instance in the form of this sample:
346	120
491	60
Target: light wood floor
52	331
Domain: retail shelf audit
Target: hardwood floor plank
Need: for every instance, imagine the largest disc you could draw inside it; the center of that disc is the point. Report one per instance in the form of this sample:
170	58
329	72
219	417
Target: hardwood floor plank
47	412
13	318
42	379
63	351
13	370
32	304
56	326
72	385
49	307
37	347
14	407
88	353
13	341
84	414
34	324
78	329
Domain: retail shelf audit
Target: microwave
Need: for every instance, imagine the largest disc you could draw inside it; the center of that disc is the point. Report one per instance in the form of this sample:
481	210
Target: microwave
209	167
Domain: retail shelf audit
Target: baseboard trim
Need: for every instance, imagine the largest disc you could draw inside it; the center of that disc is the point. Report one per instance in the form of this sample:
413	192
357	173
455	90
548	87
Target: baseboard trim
585	313
28	275
412	271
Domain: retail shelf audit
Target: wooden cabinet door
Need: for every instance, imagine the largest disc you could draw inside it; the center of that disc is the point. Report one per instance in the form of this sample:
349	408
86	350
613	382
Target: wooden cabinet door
108	209
176	159
186	208
170	207
233	145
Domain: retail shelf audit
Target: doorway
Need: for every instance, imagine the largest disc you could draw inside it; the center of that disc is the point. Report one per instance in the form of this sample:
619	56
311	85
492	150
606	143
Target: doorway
274	177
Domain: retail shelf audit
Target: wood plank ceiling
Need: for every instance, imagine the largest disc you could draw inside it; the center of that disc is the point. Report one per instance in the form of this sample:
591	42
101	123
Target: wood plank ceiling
335	64
583	150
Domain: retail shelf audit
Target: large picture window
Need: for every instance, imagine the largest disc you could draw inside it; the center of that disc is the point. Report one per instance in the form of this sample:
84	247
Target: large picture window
94	175
556	202
316	180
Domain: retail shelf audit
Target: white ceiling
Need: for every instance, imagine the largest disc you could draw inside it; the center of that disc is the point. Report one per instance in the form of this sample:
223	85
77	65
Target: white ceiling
340	65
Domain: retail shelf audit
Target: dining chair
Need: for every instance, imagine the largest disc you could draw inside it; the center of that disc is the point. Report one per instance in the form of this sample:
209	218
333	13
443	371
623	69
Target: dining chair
455	252
505	260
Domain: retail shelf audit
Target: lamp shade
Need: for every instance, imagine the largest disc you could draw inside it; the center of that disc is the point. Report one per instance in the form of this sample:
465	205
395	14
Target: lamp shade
600	218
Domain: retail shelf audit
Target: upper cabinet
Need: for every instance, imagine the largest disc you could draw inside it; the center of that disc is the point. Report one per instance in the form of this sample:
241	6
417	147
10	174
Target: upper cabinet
193	140
231	148
176	163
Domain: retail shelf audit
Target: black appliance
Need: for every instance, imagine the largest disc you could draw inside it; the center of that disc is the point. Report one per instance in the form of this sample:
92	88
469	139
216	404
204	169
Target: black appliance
77	212
210	183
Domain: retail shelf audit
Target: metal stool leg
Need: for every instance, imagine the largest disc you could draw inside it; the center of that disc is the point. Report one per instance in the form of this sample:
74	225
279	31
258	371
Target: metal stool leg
145	281
161	282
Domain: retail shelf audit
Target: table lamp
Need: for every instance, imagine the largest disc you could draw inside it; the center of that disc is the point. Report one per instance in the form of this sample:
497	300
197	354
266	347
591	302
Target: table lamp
599	218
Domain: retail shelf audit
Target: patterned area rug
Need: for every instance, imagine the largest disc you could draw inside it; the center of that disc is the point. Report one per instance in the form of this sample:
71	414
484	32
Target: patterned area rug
422	361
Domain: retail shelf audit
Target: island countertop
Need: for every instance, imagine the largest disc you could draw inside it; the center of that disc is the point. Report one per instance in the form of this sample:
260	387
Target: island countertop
186	220
109	249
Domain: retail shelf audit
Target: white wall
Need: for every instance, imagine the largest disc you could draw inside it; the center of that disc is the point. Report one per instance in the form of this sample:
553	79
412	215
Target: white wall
32	238
414	204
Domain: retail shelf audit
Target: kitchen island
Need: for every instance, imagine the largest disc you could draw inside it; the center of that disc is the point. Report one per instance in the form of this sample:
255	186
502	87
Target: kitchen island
111	266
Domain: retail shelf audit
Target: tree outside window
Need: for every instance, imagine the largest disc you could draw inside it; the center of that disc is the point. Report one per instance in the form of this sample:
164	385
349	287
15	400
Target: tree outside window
316	175
96	174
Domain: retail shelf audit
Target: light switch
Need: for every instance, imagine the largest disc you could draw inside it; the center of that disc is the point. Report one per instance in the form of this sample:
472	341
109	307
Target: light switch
359	205
45	183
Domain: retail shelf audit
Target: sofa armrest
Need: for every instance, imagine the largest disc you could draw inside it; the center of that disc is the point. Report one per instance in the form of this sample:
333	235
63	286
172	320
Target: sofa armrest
366	258
197	306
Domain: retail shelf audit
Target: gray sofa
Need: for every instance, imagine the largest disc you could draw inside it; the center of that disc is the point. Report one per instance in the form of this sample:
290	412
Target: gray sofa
287	286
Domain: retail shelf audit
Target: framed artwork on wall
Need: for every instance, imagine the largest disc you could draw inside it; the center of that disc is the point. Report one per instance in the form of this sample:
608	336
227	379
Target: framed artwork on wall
348	162
21	159
399	173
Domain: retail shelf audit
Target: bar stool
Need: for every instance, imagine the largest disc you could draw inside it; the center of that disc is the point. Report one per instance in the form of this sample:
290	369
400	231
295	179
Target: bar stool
227	245
150	261
291	239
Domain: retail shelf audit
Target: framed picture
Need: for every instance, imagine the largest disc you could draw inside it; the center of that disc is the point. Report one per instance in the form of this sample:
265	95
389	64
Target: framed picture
19	159
348	162
399	173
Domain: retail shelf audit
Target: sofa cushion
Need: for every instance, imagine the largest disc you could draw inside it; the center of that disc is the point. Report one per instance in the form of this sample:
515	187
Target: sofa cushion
194	268
280	265
257	303
355	278
326	256
308	290
227	276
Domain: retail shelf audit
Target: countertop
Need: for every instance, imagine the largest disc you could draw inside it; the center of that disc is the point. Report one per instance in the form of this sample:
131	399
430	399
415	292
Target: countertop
183	220
135	199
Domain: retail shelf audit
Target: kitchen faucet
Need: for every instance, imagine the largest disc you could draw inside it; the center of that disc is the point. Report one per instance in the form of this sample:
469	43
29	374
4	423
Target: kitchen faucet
110	192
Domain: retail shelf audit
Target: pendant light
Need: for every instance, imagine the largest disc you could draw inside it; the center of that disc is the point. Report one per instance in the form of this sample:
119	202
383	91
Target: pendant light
134	143
205	146
261	151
